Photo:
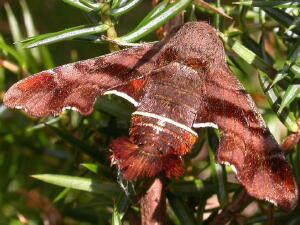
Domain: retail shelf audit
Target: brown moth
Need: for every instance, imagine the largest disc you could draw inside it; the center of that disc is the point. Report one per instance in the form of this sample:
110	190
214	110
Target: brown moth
177	85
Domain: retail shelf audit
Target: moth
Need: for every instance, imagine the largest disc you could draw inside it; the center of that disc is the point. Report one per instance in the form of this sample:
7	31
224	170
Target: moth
177	85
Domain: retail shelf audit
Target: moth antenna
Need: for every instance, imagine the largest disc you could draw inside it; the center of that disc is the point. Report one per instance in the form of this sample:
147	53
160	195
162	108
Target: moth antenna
136	161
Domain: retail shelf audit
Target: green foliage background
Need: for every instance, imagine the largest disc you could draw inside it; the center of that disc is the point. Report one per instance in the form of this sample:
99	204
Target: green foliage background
262	44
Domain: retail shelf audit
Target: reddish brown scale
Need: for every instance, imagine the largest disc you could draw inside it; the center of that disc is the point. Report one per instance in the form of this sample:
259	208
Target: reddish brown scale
133	89
37	82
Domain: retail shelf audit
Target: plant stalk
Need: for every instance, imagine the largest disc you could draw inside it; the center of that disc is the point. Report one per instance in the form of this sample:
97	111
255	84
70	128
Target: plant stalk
111	31
153	204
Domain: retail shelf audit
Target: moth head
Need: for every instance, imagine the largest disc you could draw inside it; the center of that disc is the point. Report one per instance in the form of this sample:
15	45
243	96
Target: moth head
195	44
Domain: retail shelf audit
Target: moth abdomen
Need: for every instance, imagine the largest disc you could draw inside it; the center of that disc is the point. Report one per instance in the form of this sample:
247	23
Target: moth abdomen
165	135
155	146
160	130
135	161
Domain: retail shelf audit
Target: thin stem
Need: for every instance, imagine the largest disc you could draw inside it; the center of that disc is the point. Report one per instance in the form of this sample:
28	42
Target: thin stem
111	31
153	204
270	215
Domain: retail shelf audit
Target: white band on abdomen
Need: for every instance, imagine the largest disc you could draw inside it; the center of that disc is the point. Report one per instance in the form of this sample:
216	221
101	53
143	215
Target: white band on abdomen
165	120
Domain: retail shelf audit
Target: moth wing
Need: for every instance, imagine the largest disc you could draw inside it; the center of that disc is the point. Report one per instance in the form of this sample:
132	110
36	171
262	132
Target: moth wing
131	91
77	85
246	143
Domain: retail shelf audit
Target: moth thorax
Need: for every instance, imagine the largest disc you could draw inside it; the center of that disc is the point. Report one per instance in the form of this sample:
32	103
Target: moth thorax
161	137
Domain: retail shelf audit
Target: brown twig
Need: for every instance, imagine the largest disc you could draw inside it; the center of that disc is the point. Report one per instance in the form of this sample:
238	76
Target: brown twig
153	204
233	208
270	215
291	140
